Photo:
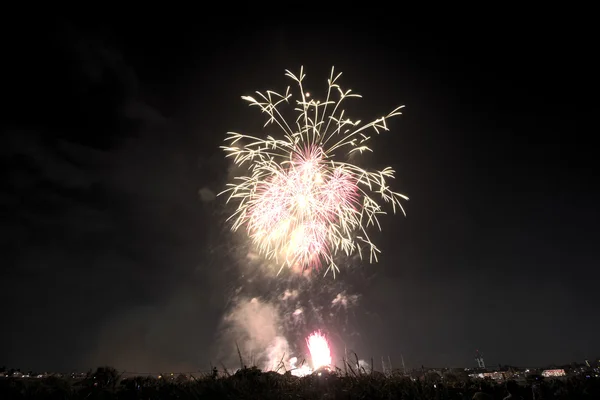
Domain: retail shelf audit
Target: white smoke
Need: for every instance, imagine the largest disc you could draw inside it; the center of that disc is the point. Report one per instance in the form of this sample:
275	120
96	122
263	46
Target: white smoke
272	312
364	367
206	195
344	300
277	354
289	294
257	328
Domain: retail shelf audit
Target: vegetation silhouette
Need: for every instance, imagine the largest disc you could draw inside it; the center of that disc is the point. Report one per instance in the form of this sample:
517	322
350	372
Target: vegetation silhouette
252	383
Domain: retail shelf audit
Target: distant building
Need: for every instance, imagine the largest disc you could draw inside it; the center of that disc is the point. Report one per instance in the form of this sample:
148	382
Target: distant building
495	375
553	373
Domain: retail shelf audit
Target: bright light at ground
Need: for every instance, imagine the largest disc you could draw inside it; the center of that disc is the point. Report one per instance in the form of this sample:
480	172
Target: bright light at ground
301	371
319	350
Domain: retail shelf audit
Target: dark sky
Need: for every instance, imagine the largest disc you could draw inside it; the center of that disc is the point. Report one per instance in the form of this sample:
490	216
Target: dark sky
111	256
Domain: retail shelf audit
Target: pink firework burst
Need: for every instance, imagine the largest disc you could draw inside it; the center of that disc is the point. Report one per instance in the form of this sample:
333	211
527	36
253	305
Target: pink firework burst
302	198
298	209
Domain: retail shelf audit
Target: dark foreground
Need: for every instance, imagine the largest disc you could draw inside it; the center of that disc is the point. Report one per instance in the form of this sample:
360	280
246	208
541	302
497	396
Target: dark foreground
251	383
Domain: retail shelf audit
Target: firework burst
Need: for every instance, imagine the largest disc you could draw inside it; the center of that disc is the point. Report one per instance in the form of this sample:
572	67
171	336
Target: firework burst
301	200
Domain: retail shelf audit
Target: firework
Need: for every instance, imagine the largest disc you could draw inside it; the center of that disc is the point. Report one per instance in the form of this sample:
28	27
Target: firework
320	353
301	200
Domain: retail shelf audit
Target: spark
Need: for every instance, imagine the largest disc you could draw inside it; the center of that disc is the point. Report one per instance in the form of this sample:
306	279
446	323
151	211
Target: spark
319	350
301	200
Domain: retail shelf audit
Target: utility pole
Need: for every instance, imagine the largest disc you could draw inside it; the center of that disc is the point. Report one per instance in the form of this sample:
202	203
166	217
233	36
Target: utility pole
403	366
479	359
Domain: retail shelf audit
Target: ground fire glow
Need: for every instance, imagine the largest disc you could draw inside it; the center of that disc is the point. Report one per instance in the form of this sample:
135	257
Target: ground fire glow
319	350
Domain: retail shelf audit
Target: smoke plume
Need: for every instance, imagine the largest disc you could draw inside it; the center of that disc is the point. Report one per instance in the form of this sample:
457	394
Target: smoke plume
256	328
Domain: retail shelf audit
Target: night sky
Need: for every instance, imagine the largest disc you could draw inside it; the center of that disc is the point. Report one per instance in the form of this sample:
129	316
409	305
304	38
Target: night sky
114	250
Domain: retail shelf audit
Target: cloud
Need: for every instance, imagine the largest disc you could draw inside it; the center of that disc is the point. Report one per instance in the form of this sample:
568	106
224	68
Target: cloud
101	202
206	195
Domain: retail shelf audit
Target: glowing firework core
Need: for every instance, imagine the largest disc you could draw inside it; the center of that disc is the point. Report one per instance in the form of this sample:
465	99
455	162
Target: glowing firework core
319	350
298	202
297	208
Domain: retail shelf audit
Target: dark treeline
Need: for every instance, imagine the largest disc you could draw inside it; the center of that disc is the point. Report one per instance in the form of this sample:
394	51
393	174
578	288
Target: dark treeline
251	383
